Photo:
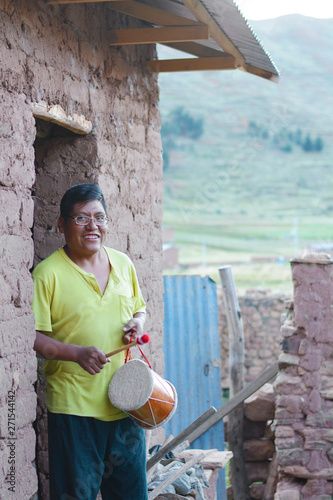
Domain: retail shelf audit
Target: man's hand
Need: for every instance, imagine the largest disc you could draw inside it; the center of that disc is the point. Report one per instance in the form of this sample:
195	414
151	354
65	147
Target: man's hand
91	359
134	328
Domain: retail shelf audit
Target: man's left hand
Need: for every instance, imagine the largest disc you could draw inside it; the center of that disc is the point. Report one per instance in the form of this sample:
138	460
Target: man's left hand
134	328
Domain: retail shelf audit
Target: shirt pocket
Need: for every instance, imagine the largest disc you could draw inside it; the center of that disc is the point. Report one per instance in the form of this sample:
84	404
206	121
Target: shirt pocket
127	308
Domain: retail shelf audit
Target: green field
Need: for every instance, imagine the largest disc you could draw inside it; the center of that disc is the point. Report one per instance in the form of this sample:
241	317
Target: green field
258	251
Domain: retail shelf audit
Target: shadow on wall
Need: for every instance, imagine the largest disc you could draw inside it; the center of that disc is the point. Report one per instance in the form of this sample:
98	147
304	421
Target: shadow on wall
62	159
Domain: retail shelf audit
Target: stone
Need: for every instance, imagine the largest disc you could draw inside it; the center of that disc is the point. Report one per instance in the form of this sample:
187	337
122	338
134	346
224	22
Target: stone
258	449
295	405
311	361
290	345
286	360
286	384
270	486
322	418
314	488
256	491
303	472
314	401
257	471
284	432
318	461
288	330
293	456
326	368
253	430
260	406
288	495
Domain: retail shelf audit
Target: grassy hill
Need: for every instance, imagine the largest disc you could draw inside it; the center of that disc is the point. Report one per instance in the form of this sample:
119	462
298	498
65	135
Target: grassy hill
246	190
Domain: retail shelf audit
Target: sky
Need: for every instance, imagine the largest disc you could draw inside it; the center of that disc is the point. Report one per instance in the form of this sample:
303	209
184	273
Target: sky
268	9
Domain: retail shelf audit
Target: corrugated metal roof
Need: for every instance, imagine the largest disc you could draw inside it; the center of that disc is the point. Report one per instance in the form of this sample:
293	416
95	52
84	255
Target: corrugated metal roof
207	29
232	22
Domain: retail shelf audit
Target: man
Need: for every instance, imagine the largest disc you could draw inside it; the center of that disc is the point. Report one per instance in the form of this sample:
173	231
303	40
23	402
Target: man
88	302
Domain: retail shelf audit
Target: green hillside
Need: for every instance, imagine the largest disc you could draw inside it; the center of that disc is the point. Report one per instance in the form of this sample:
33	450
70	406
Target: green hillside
258	183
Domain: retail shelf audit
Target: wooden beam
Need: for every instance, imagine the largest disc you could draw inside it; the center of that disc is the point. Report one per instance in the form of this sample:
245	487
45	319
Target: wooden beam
211	416
68	2
198	49
150	14
202	14
195	64
261	72
158	35
172	7
224	410
237	381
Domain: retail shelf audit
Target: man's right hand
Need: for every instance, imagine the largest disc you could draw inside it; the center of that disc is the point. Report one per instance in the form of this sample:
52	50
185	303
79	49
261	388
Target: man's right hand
91	359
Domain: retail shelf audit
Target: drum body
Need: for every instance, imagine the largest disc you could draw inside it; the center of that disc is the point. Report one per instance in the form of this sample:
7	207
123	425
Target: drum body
141	393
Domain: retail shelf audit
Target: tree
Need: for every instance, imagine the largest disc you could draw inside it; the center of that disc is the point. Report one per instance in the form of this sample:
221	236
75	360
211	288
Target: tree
318	145
307	144
179	123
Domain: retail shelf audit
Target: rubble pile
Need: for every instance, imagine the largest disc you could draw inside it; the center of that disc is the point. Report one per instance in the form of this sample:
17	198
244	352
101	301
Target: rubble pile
196	482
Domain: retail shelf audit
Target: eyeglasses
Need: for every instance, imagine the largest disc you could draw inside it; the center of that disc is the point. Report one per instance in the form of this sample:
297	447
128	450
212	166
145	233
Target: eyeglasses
84	220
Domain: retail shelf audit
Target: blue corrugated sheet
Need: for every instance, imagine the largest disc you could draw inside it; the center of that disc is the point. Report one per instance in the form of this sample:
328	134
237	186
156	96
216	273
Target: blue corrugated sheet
192	356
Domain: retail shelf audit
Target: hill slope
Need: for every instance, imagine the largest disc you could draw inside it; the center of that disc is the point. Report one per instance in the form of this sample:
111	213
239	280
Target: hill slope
247	183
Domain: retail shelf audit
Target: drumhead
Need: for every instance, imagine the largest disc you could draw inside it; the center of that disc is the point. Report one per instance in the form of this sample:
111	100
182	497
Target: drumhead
131	385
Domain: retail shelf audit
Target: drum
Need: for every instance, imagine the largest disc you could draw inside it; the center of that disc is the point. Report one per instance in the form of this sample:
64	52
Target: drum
141	393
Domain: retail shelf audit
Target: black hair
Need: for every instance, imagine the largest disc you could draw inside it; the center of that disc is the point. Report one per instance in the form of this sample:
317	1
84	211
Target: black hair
81	193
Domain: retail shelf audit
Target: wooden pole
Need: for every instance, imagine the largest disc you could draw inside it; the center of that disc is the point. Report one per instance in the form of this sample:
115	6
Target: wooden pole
237	382
211	416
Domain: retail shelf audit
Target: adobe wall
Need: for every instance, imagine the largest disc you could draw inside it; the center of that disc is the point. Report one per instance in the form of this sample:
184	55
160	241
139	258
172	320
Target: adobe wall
17	359
59	55
261	316
304	386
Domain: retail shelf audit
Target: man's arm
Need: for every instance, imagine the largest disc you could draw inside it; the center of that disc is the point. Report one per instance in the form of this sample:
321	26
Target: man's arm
91	359
134	328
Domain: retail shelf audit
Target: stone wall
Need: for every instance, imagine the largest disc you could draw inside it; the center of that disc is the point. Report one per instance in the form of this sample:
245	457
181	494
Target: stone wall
261	315
304	386
60	55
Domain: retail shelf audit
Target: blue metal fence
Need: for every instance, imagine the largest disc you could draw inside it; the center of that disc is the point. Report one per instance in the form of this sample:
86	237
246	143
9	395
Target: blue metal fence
192	357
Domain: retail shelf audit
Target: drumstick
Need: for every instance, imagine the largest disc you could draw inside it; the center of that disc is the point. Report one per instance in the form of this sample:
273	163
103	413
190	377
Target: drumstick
141	340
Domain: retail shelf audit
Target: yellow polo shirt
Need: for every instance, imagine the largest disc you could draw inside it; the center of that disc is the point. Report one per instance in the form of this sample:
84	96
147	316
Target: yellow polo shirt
69	306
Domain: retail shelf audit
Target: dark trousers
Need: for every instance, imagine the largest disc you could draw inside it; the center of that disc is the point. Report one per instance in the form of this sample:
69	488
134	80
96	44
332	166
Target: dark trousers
86	454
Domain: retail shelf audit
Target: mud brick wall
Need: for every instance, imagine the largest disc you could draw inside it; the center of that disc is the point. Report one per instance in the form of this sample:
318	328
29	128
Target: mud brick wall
60	55
17	359
304	386
261	315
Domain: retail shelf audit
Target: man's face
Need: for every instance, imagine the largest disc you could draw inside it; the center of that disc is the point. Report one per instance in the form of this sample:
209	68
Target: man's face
84	240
